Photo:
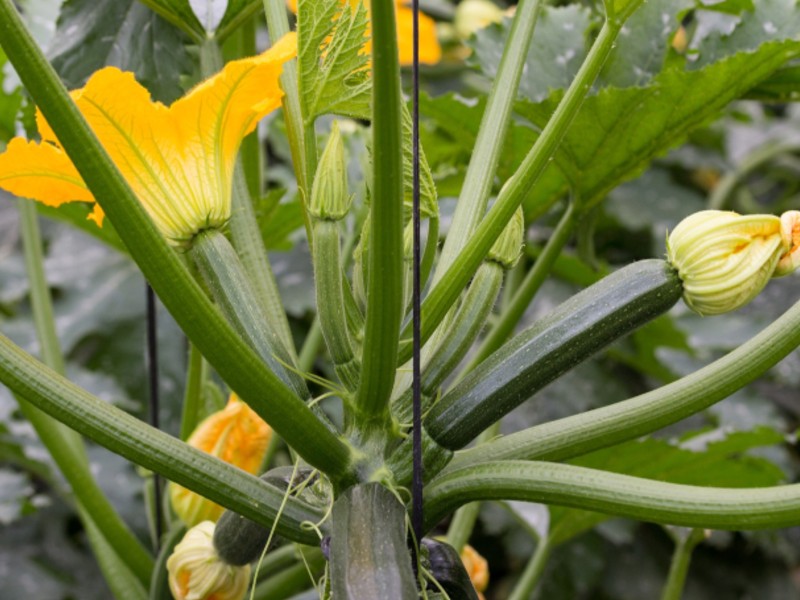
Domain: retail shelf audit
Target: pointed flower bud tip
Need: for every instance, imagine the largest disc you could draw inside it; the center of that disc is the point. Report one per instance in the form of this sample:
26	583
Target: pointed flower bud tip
724	259
196	571
508	247
329	197
236	435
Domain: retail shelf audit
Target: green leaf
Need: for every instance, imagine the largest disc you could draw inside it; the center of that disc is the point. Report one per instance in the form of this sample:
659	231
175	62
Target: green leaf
94	33
278	220
558	48
619	131
714	458
10	104
643	43
771	20
180	14
334	73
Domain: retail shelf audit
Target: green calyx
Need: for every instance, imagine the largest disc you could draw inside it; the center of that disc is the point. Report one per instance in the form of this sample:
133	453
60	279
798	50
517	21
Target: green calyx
330	200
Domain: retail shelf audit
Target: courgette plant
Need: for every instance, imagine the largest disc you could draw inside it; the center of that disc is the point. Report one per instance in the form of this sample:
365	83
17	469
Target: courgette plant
346	501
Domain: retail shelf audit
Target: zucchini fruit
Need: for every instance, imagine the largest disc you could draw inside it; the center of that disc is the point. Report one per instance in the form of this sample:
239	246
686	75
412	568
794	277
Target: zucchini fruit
578	328
238	540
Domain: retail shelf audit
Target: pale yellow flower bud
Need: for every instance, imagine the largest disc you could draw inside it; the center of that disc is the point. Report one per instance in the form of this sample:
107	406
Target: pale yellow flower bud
472	15
236	435
477	569
196	571
330	199
790	232
724	259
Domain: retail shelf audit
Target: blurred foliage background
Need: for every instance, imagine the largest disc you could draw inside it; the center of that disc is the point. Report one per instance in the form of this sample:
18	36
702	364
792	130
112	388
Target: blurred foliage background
666	83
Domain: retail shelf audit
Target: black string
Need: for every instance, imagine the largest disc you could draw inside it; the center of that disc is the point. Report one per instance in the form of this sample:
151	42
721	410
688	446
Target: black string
416	485
152	377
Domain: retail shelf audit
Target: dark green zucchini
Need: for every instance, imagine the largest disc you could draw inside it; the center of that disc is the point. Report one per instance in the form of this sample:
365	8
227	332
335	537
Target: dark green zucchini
581	326
240	541
447	568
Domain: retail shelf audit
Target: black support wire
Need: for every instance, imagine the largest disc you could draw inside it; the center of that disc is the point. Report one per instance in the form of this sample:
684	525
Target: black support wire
416	485
151	360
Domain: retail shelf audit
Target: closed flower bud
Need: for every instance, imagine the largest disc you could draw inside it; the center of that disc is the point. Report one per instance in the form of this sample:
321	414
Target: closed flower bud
329	197
196	571
508	247
725	259
790	232
477	569
472	15
236	435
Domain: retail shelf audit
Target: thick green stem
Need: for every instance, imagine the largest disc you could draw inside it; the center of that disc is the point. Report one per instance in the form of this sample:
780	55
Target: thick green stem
609	425
330	301
231	288
151	448
614	494
449	287
527	290
236	363
63	444
526	586
479	177
679	568
461	526
246	235
385	258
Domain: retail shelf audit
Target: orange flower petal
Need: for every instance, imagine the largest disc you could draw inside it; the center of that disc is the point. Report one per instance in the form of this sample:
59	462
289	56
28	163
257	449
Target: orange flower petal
41	172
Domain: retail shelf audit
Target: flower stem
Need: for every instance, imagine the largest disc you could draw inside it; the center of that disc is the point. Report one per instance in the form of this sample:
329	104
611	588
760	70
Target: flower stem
527	290
196	377
233	359
63	444
385	259
679	568
526	586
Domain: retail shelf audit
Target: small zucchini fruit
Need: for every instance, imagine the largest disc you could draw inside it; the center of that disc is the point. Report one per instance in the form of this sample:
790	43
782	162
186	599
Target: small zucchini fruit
578	328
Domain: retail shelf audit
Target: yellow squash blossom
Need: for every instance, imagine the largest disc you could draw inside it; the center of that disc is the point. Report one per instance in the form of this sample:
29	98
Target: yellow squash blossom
477	568
179	160
430	52
196	572
236	435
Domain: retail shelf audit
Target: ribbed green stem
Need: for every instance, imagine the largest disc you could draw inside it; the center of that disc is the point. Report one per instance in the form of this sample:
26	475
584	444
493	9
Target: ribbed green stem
311	346
480	174
123	583
461	526
512	314
196	376
609	425
246	235
151	448
467	324
385	258
230	285
679	568
527	583
449	287
63	444
614	494
305	161
330	301
252	158
236	363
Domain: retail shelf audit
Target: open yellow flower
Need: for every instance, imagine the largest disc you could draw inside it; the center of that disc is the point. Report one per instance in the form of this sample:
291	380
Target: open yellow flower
236	435
179	160
430	52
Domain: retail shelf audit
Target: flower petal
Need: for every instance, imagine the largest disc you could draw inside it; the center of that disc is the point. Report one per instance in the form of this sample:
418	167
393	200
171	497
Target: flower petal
430	52
215	116
41	172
